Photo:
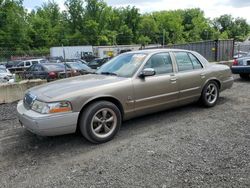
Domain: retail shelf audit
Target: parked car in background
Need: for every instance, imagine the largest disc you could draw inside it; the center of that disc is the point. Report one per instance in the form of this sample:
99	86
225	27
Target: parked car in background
49	71
5	75
98	62
79	68
129	85
11	64
28	63
241	66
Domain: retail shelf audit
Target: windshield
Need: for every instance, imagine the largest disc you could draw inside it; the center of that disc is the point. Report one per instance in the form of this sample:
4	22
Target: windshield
124	65
79	66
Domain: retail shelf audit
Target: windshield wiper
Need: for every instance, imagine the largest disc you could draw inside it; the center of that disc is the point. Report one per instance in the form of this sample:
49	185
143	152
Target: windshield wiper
109	73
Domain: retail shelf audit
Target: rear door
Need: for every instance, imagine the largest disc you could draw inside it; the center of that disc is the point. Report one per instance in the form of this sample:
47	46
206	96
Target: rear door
156	92
191	75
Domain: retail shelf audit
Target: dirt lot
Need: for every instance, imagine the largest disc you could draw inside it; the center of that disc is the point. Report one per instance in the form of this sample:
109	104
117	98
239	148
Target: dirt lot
185	147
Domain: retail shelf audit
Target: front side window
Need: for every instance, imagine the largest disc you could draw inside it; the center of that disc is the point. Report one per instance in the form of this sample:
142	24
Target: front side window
27	63
184	63
161	63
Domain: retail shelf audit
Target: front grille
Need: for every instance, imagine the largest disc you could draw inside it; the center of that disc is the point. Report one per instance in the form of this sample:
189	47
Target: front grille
28	100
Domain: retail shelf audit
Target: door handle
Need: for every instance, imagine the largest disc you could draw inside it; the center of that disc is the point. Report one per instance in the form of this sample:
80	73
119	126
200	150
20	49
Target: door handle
173	79
203	75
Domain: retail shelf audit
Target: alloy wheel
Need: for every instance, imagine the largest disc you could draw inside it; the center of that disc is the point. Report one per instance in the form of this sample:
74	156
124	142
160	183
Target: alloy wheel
104	122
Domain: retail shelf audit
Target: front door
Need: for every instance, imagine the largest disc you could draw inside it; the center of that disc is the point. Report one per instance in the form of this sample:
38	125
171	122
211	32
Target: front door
158	92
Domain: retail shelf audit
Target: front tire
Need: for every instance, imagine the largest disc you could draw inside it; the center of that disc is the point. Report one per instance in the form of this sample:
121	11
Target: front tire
100	122
210	94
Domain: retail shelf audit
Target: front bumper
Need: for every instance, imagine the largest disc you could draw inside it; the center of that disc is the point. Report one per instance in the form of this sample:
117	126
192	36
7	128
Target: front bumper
47	124
240	69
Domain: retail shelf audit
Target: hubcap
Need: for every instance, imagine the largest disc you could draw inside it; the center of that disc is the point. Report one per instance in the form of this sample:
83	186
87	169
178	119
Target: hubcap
211	93
104	123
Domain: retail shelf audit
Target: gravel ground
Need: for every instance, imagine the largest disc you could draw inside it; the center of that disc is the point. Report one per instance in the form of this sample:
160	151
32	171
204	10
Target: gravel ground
185	147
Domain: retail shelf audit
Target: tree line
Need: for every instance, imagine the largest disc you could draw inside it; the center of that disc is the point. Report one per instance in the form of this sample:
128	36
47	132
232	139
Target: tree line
93	22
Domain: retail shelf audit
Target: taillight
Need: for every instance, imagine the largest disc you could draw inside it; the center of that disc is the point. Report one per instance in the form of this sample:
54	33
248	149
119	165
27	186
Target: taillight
235	63
52	74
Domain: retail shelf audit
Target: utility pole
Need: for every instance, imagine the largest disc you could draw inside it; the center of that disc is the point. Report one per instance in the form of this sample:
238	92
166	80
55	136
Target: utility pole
163	38
64	61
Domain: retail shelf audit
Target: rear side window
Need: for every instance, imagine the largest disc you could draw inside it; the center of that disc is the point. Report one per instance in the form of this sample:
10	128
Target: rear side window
161	63
195	61
27	63
34	62
183	61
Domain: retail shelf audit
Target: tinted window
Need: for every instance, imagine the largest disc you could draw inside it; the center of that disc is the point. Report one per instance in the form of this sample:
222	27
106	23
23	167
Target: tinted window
195	61
27	63
161	63
38	68
183	61
34	62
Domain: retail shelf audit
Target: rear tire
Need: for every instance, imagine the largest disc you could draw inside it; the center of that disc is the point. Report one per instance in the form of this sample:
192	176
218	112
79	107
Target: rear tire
210	94
100	122
244	76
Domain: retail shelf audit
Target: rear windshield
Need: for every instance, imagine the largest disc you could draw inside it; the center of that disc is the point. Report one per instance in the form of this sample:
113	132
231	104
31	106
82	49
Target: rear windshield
55	67
79	66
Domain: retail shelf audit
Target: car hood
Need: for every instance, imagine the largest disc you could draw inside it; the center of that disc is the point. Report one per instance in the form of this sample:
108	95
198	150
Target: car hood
69	87
2	75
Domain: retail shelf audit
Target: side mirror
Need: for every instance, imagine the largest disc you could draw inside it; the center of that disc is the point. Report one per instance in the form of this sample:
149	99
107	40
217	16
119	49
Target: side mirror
147	72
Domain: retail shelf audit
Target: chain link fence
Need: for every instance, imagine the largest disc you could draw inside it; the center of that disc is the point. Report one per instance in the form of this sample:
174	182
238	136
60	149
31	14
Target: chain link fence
7	54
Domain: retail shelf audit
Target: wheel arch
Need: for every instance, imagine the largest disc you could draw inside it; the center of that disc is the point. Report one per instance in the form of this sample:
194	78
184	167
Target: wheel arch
111	99
215	80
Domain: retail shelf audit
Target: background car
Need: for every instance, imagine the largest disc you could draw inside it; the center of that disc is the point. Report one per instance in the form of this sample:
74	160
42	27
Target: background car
241	66
78	67
5	75
11	64
49	71
98	62
28	63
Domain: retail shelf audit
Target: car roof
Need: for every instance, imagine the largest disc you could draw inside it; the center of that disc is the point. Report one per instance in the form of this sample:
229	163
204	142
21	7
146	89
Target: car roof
33	59
158	50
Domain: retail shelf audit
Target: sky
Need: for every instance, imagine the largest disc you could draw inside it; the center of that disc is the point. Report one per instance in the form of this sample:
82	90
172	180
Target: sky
212	8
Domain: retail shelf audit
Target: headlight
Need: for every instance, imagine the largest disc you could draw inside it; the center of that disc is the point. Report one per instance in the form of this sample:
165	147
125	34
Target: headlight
50	108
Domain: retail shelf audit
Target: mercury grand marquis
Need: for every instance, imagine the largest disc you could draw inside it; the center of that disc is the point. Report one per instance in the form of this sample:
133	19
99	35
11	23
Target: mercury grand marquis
129	85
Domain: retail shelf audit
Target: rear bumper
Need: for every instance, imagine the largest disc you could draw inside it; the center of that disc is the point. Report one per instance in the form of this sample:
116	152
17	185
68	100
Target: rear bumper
240	69
47	125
